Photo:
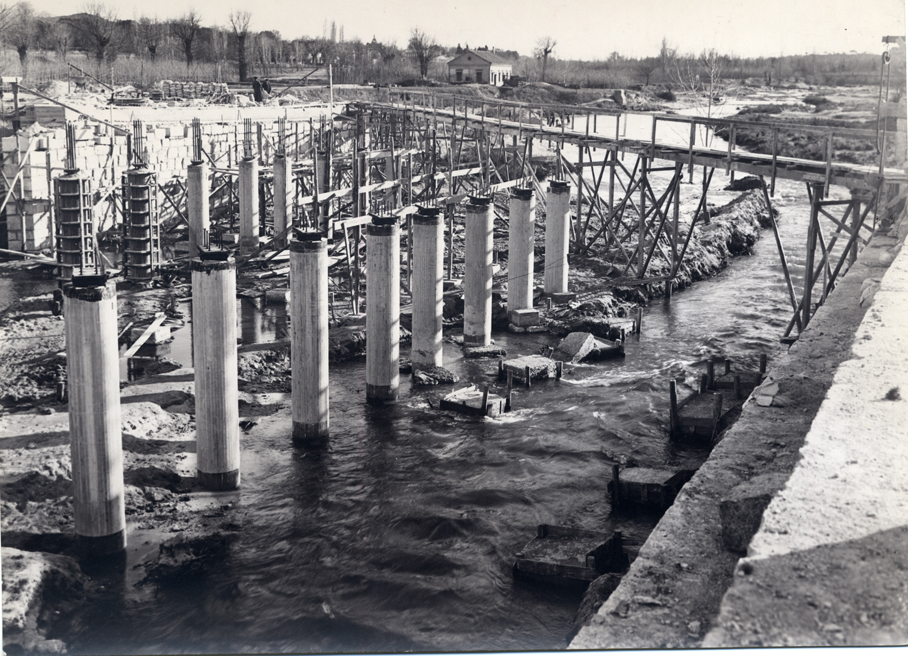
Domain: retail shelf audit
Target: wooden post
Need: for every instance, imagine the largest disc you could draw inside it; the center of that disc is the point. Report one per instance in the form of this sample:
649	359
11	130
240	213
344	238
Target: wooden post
528	379
762	363
641	226
727	366
616	487
737	386
485	400
710	374
673	408
94	415
704	382
639	323
559	365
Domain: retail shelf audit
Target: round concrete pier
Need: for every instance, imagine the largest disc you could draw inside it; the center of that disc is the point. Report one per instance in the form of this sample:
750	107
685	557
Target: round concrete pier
477	276
382	310
214	357
428	287
283	198
522	224
309	330
557	236
249	205
92	363
197	206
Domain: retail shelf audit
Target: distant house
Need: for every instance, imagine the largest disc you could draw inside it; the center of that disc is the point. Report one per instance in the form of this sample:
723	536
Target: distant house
482	66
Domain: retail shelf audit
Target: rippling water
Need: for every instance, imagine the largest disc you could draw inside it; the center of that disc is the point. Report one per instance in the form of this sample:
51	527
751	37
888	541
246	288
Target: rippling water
402	532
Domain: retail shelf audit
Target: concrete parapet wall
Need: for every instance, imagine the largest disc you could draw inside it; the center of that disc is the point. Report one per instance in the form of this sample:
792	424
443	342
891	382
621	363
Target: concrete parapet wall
829	563
672	593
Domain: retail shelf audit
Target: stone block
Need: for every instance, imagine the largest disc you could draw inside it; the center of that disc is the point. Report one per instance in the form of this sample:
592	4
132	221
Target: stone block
742	509
574	347
524	318
433	376
277	296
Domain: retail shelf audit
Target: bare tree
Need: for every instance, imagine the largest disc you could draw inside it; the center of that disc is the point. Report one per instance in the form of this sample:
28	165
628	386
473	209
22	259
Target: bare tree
239	21
666	56
544	48
424	48
7	13
712	64
646	67
22	33
151	33
185	29
57	36
98	27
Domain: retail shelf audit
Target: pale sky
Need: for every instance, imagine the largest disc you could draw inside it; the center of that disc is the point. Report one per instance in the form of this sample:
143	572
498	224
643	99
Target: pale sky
583	29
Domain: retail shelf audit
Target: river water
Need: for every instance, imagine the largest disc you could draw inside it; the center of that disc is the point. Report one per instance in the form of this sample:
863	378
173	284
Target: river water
401	533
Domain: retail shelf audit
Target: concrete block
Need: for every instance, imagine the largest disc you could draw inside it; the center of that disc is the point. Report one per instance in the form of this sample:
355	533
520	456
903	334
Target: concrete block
742	509
160	334
484	352
574	347
524	318
540	367
559	298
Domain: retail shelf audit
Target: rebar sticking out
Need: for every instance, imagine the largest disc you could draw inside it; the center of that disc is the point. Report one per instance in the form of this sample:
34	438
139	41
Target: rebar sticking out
139	155
196	141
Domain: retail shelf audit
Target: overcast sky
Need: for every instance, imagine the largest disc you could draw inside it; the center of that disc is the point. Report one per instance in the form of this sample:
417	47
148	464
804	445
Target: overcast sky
587	29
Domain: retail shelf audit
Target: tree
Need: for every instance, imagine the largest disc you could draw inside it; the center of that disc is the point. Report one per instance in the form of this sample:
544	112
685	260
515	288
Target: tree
424	48
239	21
645	68
6	15
56	35
151	33
98	28
544	48
185	30
22	32
666	57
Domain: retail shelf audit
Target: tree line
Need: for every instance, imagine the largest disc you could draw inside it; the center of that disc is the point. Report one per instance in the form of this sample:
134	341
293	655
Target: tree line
97	33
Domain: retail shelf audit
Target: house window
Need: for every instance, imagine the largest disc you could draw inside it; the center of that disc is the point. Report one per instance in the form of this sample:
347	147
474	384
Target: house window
459	75
479	75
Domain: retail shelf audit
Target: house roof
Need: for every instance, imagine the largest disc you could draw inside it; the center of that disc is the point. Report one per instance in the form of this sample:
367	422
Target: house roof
485	55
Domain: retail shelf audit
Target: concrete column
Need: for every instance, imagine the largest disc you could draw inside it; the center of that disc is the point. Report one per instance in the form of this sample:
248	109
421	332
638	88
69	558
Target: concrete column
215	360
197	206
309	336
557	229
477	277
94	415
249	205
382	310
428	286
522	220
283	198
